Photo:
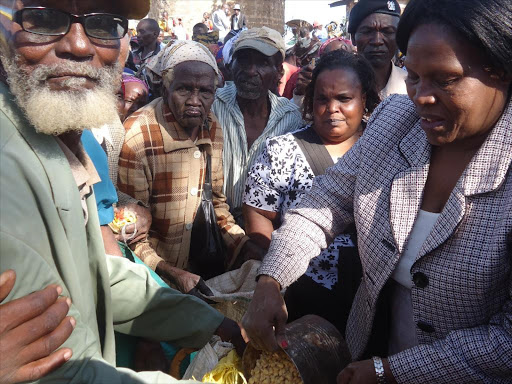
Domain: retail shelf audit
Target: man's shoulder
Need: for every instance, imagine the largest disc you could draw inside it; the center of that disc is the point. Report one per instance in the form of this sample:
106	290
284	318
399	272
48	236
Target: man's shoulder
281	106
396	82
225	95
13	127
10	116
7	129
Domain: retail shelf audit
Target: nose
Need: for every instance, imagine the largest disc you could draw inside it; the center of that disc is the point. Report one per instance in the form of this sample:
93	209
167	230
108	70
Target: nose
250	69
422	93
332	106
193	99
75	45
377	38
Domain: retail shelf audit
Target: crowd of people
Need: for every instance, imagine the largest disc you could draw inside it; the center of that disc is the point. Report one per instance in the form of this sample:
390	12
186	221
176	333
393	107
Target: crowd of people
377	197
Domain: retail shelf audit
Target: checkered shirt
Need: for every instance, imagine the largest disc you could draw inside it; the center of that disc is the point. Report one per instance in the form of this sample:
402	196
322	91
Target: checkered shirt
161	167
464	312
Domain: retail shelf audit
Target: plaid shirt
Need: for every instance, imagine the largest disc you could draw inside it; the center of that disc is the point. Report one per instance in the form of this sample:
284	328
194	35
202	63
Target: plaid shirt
462	293
161	167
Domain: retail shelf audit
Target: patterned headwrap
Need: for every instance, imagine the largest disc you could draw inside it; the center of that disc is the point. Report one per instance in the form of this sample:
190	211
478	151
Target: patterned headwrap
179	52
133	79
206	38
326	43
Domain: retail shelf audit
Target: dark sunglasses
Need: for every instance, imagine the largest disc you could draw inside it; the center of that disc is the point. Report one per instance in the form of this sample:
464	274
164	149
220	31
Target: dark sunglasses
53	22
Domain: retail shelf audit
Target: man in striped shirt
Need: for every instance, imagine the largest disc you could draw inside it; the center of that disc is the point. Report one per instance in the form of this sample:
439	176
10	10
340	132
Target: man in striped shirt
249	110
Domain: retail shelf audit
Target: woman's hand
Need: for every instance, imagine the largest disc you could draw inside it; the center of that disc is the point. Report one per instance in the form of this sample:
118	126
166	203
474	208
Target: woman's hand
186	282
363	372
31	329
142	225
266	317
305	77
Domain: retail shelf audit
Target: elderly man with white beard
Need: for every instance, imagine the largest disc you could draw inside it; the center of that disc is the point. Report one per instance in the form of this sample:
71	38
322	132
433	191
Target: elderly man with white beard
59	76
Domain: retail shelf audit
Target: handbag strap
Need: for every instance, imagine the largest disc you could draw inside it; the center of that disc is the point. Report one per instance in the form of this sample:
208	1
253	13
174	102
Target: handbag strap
207	185
314	150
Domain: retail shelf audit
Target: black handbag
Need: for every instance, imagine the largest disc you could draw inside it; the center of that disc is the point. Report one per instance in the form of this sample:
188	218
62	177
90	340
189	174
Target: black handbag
207	250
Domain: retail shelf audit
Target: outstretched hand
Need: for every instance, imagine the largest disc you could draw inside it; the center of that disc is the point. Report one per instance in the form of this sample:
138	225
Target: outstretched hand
31	329
265	319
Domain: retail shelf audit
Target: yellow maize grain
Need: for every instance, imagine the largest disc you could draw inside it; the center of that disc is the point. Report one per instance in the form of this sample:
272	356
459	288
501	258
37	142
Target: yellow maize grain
274	368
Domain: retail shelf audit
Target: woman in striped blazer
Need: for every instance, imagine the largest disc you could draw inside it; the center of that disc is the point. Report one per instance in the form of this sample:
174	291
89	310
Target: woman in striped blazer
429	188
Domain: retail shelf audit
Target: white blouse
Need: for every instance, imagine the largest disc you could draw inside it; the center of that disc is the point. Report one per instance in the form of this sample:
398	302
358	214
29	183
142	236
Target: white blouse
402	328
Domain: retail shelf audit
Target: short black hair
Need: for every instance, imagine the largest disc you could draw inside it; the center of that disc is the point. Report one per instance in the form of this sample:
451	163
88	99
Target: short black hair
152	24
486	24
200	28
340	59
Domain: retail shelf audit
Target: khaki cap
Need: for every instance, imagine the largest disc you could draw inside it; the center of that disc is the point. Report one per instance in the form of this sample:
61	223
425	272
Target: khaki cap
133	9
265	40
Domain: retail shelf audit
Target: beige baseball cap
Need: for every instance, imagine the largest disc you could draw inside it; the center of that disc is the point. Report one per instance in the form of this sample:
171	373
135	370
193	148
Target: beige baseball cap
265	40
134	9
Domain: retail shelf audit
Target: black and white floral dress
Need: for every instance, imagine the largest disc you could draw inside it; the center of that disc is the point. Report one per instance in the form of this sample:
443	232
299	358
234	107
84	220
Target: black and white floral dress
277	181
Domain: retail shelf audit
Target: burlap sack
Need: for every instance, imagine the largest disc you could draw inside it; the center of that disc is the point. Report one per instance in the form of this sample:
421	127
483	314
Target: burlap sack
232	291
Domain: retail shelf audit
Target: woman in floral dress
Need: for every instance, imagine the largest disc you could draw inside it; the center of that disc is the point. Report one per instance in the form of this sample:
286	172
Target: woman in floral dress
341	93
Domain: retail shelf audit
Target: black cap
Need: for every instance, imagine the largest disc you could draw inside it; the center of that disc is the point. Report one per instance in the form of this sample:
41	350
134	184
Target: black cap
365	8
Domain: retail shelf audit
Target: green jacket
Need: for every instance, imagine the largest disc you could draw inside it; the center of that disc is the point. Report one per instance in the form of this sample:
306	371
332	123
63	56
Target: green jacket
43	238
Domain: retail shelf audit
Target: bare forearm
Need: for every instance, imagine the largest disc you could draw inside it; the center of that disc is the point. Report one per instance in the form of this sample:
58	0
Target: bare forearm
259	226
110	242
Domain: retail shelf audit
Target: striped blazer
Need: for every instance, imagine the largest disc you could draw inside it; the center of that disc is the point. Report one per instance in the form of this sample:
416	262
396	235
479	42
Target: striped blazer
462	304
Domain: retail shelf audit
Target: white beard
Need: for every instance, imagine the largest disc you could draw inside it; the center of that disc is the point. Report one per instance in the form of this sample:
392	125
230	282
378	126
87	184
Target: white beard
57	112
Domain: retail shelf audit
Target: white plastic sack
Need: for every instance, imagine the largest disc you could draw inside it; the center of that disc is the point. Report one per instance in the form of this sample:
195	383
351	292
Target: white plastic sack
207	358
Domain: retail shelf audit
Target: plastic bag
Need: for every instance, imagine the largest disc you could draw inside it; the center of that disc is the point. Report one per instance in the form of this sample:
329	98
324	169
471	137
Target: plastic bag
227	371
207	358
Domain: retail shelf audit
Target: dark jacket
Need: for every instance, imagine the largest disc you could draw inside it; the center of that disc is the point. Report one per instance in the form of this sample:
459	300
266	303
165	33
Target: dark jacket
242	22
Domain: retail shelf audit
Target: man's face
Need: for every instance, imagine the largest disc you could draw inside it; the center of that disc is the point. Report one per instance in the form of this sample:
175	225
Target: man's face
36	50
191	93
375	38
58	78
226	9
254	73
146	36
237	12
